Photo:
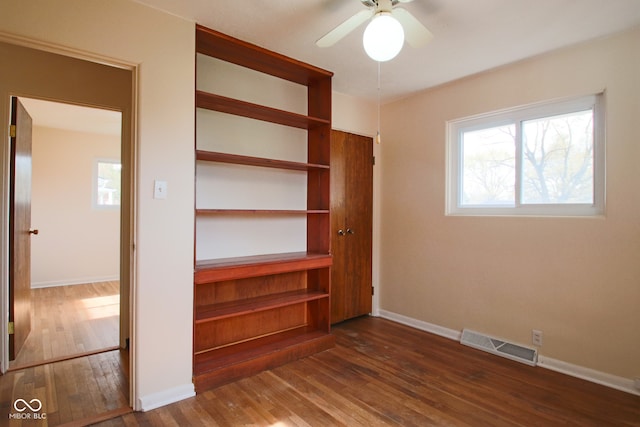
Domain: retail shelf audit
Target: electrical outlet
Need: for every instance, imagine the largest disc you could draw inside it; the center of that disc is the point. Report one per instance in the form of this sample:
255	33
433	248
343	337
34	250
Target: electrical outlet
536	337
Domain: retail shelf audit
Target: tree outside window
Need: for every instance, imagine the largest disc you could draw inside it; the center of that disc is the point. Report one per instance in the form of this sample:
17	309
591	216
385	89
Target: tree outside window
108	183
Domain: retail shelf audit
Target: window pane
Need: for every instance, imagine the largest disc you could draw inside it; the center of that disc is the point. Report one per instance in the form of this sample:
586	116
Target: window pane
557	165
108	184
488	165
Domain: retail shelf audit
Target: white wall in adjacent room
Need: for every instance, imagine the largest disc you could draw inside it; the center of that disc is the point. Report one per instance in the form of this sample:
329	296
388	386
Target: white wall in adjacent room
77	242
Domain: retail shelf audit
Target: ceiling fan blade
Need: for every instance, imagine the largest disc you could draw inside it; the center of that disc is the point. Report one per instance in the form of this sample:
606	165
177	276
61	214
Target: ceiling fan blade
415	33
345	28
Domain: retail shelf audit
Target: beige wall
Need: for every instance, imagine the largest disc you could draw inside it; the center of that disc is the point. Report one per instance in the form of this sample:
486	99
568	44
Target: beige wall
577	280
77	242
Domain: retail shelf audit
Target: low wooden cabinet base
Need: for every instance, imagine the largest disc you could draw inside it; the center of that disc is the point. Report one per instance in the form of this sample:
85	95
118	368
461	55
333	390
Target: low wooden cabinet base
232	363
255	313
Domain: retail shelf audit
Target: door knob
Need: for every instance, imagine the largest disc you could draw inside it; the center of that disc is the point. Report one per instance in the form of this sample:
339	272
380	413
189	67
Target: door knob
340	232
350	231
33	231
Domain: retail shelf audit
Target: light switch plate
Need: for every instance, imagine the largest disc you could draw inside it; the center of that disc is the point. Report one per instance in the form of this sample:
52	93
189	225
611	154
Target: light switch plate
159	189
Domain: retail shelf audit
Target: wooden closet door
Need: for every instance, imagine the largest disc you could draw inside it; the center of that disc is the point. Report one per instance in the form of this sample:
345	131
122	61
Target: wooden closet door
352	224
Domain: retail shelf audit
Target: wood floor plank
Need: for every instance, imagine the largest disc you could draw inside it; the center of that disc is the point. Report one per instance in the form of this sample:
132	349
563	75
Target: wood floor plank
69	323
71	390
441	407
70	320
404	370
447	378
317	392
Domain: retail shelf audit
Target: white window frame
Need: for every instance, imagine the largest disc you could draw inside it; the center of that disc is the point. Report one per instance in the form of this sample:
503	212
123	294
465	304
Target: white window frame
456	128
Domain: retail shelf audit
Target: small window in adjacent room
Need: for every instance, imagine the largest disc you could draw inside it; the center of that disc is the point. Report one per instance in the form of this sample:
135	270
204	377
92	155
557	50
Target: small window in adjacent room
106	183
546	159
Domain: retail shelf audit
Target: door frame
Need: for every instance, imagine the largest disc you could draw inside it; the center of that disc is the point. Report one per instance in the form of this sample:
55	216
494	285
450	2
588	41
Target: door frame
129	144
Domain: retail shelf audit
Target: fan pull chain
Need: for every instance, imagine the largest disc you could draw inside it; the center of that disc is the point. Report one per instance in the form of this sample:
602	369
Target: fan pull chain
378	134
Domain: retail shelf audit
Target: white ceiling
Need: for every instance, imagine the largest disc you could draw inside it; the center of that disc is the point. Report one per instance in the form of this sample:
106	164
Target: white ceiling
470	35
72	117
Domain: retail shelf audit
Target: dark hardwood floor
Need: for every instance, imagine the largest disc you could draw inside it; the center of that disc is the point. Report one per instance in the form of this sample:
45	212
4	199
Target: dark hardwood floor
383	373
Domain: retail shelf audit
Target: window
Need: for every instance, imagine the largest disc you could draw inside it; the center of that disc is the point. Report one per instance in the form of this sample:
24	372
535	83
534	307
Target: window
107	183
545	159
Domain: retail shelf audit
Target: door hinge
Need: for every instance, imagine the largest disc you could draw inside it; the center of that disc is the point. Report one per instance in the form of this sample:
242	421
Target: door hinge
11	328
374	160
372	288
12	131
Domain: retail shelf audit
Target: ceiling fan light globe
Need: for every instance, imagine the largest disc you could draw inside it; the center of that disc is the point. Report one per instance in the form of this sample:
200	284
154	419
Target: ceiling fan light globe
383	38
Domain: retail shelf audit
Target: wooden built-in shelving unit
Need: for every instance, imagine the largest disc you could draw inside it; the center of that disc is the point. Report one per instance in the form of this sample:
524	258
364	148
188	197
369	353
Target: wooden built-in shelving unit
256	312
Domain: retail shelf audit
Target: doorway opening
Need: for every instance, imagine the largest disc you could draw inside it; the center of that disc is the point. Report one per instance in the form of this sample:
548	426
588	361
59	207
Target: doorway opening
107	378
75	200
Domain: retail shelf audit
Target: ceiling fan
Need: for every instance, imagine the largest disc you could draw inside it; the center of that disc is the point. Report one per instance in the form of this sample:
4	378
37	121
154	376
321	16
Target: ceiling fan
385	34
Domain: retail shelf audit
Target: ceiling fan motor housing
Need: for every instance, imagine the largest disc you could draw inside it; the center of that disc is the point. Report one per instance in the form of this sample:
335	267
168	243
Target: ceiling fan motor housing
374	3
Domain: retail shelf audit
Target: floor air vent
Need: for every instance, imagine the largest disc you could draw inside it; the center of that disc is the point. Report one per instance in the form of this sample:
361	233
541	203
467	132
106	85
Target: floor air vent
501	348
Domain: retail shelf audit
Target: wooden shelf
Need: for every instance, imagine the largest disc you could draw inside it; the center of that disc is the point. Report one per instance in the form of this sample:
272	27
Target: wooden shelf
229	355
237	107
235	51
227	364
261	265
200	212
213	312
211	156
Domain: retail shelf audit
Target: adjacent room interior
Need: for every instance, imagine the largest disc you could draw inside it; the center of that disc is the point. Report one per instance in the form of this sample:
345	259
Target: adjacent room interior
75	255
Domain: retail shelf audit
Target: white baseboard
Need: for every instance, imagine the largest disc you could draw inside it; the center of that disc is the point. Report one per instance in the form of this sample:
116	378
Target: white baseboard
68	282
165	397
602	378
423	326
